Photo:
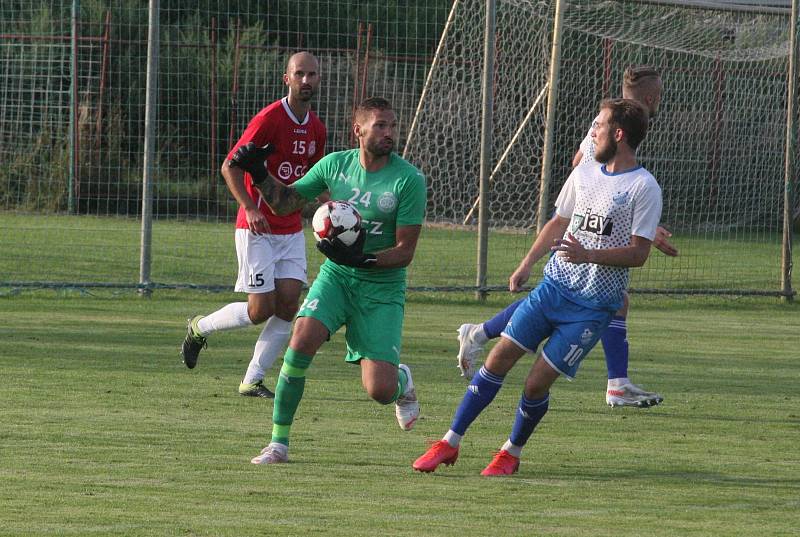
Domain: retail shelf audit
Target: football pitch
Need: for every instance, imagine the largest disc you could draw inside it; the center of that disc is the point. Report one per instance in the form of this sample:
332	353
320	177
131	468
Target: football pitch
105	432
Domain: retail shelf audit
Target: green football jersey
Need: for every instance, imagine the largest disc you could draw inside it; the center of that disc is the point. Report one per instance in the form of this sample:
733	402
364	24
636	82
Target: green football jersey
395	195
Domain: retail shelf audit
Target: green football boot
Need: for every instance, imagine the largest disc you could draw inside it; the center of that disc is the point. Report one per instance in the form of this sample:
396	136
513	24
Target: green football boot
193	343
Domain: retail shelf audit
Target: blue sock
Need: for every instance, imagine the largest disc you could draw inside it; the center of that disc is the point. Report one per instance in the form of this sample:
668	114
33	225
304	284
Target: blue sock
615	345
481	391
529	414
494	326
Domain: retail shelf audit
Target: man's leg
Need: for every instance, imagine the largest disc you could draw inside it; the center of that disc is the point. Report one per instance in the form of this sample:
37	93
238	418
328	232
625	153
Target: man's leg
533	405
256	278
620	391
229	317
374	342
575	331
480	393
495	326
309	335
472	338
388	383
273	338
383	381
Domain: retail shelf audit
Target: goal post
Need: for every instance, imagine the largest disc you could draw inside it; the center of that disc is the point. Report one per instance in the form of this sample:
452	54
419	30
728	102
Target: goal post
790	178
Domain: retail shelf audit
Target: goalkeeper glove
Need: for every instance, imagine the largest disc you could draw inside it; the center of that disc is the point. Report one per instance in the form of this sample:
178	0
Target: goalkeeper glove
251	159
351	256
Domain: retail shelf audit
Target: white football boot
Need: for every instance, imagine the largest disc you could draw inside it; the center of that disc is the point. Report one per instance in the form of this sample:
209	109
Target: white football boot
406	407
274	453
631	395
468	349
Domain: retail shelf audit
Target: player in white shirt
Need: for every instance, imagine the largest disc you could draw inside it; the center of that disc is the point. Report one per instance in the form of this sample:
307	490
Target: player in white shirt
644	85
605	222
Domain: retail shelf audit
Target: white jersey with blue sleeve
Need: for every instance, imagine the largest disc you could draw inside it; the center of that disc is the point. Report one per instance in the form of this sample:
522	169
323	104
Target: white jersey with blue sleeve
604	209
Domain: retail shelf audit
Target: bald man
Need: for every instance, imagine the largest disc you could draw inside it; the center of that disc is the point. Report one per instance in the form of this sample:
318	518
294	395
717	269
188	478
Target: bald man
270	248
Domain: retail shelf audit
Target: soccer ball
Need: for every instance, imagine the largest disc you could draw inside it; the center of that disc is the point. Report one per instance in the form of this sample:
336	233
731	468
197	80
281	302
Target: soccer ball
337	220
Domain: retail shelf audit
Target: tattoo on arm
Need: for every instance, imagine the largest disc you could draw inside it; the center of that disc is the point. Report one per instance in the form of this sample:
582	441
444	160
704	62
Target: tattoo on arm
282	199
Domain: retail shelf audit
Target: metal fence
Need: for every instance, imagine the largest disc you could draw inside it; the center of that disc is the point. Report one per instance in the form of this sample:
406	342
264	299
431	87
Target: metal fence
74	129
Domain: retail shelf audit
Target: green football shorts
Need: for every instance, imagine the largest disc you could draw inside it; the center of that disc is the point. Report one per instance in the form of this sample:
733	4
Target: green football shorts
371	311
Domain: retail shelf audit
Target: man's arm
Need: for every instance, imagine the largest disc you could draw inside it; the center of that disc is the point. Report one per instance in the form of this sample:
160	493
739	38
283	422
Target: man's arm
234	178
553	230
280	198
633	255
402	253
661	241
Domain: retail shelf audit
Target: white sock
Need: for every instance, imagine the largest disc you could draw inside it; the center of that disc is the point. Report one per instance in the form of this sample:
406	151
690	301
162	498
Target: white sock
616	383
511	448
226	318
454	439
270	343
479	335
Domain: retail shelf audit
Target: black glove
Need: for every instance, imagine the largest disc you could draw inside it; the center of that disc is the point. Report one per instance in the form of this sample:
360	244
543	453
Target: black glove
251	159
351	256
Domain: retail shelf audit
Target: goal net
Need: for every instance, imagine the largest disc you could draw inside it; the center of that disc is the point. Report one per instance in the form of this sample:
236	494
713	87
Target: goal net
716	147
71	198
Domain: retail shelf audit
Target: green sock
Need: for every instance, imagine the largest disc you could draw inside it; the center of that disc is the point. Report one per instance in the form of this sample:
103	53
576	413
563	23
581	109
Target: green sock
402	382
288	392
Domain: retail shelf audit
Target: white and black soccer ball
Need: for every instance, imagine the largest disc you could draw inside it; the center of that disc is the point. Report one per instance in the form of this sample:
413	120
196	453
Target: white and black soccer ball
337	220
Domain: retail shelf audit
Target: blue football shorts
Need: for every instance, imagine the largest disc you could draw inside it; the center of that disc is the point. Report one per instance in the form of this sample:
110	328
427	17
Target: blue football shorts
572	329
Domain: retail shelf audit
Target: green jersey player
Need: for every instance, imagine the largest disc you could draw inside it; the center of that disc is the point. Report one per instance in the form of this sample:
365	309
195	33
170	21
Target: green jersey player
361	287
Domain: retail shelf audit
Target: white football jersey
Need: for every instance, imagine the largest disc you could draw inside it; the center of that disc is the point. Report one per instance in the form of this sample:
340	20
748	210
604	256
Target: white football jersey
604	209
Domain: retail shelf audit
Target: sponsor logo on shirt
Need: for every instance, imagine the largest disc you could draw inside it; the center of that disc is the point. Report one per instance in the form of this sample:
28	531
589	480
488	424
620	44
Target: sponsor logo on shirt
592	223
300	131
285	170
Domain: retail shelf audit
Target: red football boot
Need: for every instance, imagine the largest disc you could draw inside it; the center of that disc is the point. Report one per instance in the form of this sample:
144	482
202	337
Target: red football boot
439	453
504	463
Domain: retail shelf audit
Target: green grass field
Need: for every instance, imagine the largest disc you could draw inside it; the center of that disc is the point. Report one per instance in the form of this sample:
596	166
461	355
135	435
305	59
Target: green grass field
105	432
105	250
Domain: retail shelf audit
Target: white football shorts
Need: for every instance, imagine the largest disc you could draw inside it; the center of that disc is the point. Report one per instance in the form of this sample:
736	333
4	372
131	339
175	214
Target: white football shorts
266	258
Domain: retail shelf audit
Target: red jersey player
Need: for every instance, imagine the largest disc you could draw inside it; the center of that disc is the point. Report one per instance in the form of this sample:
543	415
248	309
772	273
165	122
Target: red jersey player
297	144
270	248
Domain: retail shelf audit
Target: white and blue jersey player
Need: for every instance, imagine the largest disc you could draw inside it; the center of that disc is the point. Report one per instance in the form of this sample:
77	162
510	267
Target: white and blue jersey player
605	221
575	302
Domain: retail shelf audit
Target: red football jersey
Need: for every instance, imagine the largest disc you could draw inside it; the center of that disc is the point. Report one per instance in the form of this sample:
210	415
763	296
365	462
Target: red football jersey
299	143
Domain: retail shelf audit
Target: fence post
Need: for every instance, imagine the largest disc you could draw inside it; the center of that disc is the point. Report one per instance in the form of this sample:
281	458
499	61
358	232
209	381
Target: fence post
791	147
215	165
552	97
486	148
150	114
73	108
235	88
